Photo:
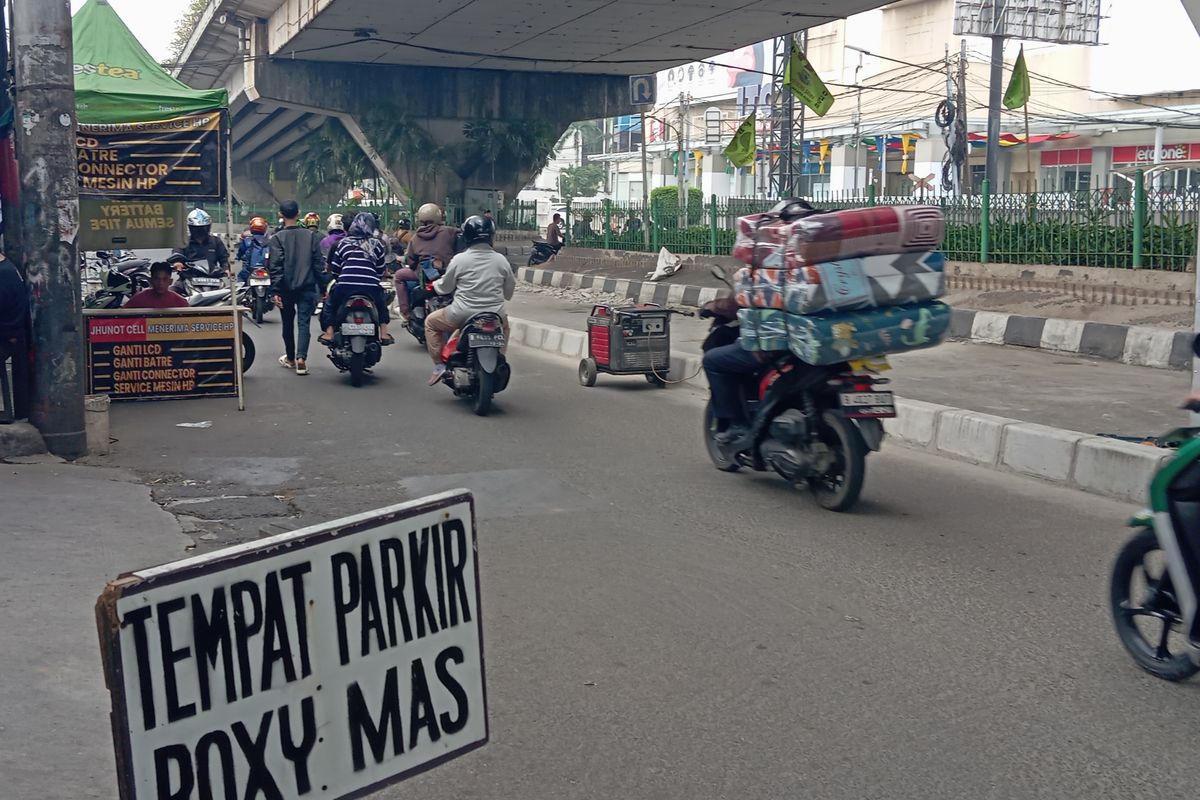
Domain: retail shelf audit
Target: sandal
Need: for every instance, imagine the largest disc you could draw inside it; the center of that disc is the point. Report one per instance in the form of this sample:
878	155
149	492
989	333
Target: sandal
324	341
389	340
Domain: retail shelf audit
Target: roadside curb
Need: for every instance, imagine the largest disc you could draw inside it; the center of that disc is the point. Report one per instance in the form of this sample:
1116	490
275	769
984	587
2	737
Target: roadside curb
1137	345
1093	464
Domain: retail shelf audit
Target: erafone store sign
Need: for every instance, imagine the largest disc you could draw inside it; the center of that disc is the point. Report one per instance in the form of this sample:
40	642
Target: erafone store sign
1144	154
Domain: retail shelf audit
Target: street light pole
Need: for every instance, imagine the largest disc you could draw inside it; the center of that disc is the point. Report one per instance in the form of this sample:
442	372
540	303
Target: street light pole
45	119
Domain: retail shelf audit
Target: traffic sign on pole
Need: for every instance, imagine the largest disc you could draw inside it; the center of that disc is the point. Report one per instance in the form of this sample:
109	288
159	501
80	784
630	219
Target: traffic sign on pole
643	89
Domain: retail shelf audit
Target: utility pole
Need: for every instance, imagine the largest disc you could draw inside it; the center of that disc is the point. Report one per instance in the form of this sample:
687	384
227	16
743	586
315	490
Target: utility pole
645	185
681	167
45	121
797	180
857	121
995	90
963	106
952	133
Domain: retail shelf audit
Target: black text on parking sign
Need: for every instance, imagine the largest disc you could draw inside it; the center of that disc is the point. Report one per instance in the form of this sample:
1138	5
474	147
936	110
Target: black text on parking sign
323	663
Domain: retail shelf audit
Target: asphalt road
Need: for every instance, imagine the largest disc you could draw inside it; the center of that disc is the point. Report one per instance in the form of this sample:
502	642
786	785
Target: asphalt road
657	629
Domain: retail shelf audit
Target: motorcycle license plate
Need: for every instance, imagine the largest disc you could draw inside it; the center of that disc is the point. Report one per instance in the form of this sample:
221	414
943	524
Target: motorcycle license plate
869	405
260	281
358	329
486	339
206	281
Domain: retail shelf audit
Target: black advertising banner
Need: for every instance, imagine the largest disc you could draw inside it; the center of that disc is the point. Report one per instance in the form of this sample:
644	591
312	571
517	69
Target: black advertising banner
124	224
162	355
167	159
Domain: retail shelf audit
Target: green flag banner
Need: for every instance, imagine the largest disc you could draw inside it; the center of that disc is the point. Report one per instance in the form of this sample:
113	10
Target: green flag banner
1017	93
744	145
802	79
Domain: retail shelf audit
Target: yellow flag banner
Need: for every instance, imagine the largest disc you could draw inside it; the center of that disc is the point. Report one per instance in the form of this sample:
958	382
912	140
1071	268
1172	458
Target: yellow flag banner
800	77
742	149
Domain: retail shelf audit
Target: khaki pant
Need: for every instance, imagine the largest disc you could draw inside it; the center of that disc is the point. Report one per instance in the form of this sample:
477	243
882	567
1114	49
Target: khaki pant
438	326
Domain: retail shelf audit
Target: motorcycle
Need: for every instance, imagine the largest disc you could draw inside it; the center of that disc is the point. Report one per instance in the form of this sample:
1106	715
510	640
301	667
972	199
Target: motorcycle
355	347
256	293
1153	586
118	287
812	425
475	365
541	253
200	276
423	301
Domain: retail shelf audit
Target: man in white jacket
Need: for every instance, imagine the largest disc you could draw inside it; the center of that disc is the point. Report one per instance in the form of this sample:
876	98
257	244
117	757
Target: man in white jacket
480	280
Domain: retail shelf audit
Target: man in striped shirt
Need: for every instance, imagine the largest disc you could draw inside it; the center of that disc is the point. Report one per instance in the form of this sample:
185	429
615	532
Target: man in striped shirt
357	262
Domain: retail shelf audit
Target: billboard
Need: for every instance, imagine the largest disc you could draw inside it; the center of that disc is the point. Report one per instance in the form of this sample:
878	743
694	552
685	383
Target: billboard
707	81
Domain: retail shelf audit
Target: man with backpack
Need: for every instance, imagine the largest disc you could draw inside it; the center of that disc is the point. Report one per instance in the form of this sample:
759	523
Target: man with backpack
252	251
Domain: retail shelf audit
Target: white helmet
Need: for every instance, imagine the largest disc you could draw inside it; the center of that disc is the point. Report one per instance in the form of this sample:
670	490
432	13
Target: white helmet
335	223
430	213
199	218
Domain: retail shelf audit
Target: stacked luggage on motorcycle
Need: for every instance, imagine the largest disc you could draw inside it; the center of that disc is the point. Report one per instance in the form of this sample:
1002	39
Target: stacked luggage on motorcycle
842	285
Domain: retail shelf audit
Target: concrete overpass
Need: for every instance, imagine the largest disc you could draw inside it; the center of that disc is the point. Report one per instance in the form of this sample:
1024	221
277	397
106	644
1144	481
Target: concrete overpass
289	65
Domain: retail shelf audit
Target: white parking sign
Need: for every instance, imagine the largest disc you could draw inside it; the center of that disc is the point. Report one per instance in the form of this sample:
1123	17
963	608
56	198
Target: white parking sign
327	662
643	89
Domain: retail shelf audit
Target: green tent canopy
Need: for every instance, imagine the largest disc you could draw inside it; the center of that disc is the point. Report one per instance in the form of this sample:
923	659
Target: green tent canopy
116	80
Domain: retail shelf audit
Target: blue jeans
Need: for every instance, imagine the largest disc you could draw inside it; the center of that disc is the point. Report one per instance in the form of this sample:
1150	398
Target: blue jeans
297	312
727	369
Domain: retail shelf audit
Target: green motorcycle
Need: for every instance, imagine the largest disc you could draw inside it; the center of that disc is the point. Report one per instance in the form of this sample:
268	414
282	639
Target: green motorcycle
1152	592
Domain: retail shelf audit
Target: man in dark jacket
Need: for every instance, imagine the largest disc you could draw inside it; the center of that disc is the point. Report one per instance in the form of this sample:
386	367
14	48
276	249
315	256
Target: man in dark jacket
294	262
14	338
434	244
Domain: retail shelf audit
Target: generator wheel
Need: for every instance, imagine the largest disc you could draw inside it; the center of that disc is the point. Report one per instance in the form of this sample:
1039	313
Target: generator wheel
655	381
587	372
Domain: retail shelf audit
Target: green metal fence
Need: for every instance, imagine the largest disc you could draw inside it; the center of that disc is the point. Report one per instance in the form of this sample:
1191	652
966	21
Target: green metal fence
516	215
1126	224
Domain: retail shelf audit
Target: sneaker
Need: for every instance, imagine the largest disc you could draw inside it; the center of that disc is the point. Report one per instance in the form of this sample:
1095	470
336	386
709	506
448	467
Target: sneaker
286	362
438	372
301	367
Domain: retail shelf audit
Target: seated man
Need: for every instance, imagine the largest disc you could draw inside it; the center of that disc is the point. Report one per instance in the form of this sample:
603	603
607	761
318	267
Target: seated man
480	280
159	295
554	236
357	262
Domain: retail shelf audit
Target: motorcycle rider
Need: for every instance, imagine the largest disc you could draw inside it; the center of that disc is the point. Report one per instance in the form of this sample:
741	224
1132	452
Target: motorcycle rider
480	279
312	220
357	261
727	367
434	242
336	231
252	250
201	244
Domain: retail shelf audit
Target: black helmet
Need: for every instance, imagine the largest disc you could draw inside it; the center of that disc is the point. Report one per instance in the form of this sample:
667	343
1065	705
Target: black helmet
404	224
477	229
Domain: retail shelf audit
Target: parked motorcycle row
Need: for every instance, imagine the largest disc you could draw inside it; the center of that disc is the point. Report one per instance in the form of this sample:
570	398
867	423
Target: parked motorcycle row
201	284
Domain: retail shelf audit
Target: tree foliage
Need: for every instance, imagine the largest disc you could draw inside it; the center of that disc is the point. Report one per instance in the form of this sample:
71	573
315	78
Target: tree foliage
581	181
185	25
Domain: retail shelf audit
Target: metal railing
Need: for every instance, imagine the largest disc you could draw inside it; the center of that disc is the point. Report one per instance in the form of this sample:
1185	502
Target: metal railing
1127	224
